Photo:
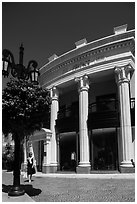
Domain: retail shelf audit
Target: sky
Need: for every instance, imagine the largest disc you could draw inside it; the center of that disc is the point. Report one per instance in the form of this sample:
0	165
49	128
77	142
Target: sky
48	28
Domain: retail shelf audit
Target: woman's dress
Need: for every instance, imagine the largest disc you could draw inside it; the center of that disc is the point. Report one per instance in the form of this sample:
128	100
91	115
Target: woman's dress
30	168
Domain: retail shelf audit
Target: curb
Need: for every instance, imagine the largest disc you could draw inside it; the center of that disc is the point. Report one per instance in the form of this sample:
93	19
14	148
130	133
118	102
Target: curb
90	176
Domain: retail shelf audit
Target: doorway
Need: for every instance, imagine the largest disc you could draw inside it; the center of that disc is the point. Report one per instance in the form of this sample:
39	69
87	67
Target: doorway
38	149
104	149
68	151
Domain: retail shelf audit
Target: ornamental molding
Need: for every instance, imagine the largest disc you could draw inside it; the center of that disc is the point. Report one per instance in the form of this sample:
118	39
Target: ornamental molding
123	73
47	139
109	63
44	134
54	93
95	55
94	51
83	83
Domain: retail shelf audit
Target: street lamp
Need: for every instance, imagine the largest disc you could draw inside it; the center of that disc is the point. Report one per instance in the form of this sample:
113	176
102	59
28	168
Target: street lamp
18	70
31	74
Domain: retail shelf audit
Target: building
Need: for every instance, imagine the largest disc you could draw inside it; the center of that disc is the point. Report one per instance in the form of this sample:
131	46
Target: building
92	122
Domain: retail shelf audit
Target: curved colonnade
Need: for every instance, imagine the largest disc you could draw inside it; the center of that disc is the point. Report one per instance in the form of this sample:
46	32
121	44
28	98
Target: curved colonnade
102	70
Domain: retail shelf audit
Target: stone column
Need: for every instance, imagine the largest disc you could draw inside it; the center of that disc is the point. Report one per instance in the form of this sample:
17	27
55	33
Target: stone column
47	154
123	79
53	117
84	164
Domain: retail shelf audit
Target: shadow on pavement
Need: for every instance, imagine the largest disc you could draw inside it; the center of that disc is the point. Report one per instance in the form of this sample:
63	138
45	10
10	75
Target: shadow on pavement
28	189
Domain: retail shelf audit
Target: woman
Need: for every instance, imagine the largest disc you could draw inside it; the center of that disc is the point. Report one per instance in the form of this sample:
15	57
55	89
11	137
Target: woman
30	166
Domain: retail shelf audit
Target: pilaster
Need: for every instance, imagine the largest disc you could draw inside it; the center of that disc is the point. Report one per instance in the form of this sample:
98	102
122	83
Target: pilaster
47	154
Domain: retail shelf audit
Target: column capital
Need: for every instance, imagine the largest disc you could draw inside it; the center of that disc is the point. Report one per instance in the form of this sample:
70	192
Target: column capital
54	93
122	73
83	83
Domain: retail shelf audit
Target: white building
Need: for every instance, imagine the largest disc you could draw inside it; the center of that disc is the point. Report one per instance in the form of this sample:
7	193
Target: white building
93	107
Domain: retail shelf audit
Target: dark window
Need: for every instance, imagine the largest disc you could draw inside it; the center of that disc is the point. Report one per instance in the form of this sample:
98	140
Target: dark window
106	102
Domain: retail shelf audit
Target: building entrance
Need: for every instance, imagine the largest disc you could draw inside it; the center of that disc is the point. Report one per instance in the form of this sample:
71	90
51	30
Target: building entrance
104	149
68	152
38	149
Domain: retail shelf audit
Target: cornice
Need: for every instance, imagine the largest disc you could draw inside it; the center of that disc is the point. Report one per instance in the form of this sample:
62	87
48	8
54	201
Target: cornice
94	56
71	56
98	53
108	63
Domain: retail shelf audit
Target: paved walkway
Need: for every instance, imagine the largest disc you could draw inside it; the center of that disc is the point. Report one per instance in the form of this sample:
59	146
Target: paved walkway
44	188
23	198
6	184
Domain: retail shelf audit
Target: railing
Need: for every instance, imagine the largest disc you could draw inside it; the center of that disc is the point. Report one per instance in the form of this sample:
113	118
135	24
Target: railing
64	112
101	114
108	105
68	118
103	106
68	111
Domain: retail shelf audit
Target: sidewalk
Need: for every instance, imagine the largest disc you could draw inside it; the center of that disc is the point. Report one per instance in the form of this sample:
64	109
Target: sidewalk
23	198
61	187
7	182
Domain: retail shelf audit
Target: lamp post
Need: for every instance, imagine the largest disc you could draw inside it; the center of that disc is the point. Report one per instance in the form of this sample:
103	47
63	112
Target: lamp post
18	70
31	74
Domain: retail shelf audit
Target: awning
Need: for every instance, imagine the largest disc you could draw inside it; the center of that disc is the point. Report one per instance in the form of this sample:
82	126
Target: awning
41	135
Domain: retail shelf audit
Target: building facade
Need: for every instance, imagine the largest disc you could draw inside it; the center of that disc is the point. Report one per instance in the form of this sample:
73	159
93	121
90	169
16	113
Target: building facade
92	121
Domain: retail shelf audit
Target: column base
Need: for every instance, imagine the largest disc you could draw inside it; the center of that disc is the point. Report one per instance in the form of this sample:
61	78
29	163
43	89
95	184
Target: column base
46	169
53	169
49	169
126	167
83	169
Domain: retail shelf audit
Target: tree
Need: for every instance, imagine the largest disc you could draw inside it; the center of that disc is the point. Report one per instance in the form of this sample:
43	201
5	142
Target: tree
25	108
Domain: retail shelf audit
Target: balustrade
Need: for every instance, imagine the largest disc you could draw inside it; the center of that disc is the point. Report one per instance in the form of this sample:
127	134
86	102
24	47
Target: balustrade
100	114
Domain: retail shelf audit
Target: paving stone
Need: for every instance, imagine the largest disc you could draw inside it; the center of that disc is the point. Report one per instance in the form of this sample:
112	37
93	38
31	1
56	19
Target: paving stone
79	189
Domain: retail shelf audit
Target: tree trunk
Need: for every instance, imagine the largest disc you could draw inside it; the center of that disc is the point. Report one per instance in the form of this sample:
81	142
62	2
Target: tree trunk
16	190
16	173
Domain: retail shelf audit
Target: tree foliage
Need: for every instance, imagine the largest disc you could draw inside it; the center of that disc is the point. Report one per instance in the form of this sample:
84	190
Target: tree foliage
25	107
